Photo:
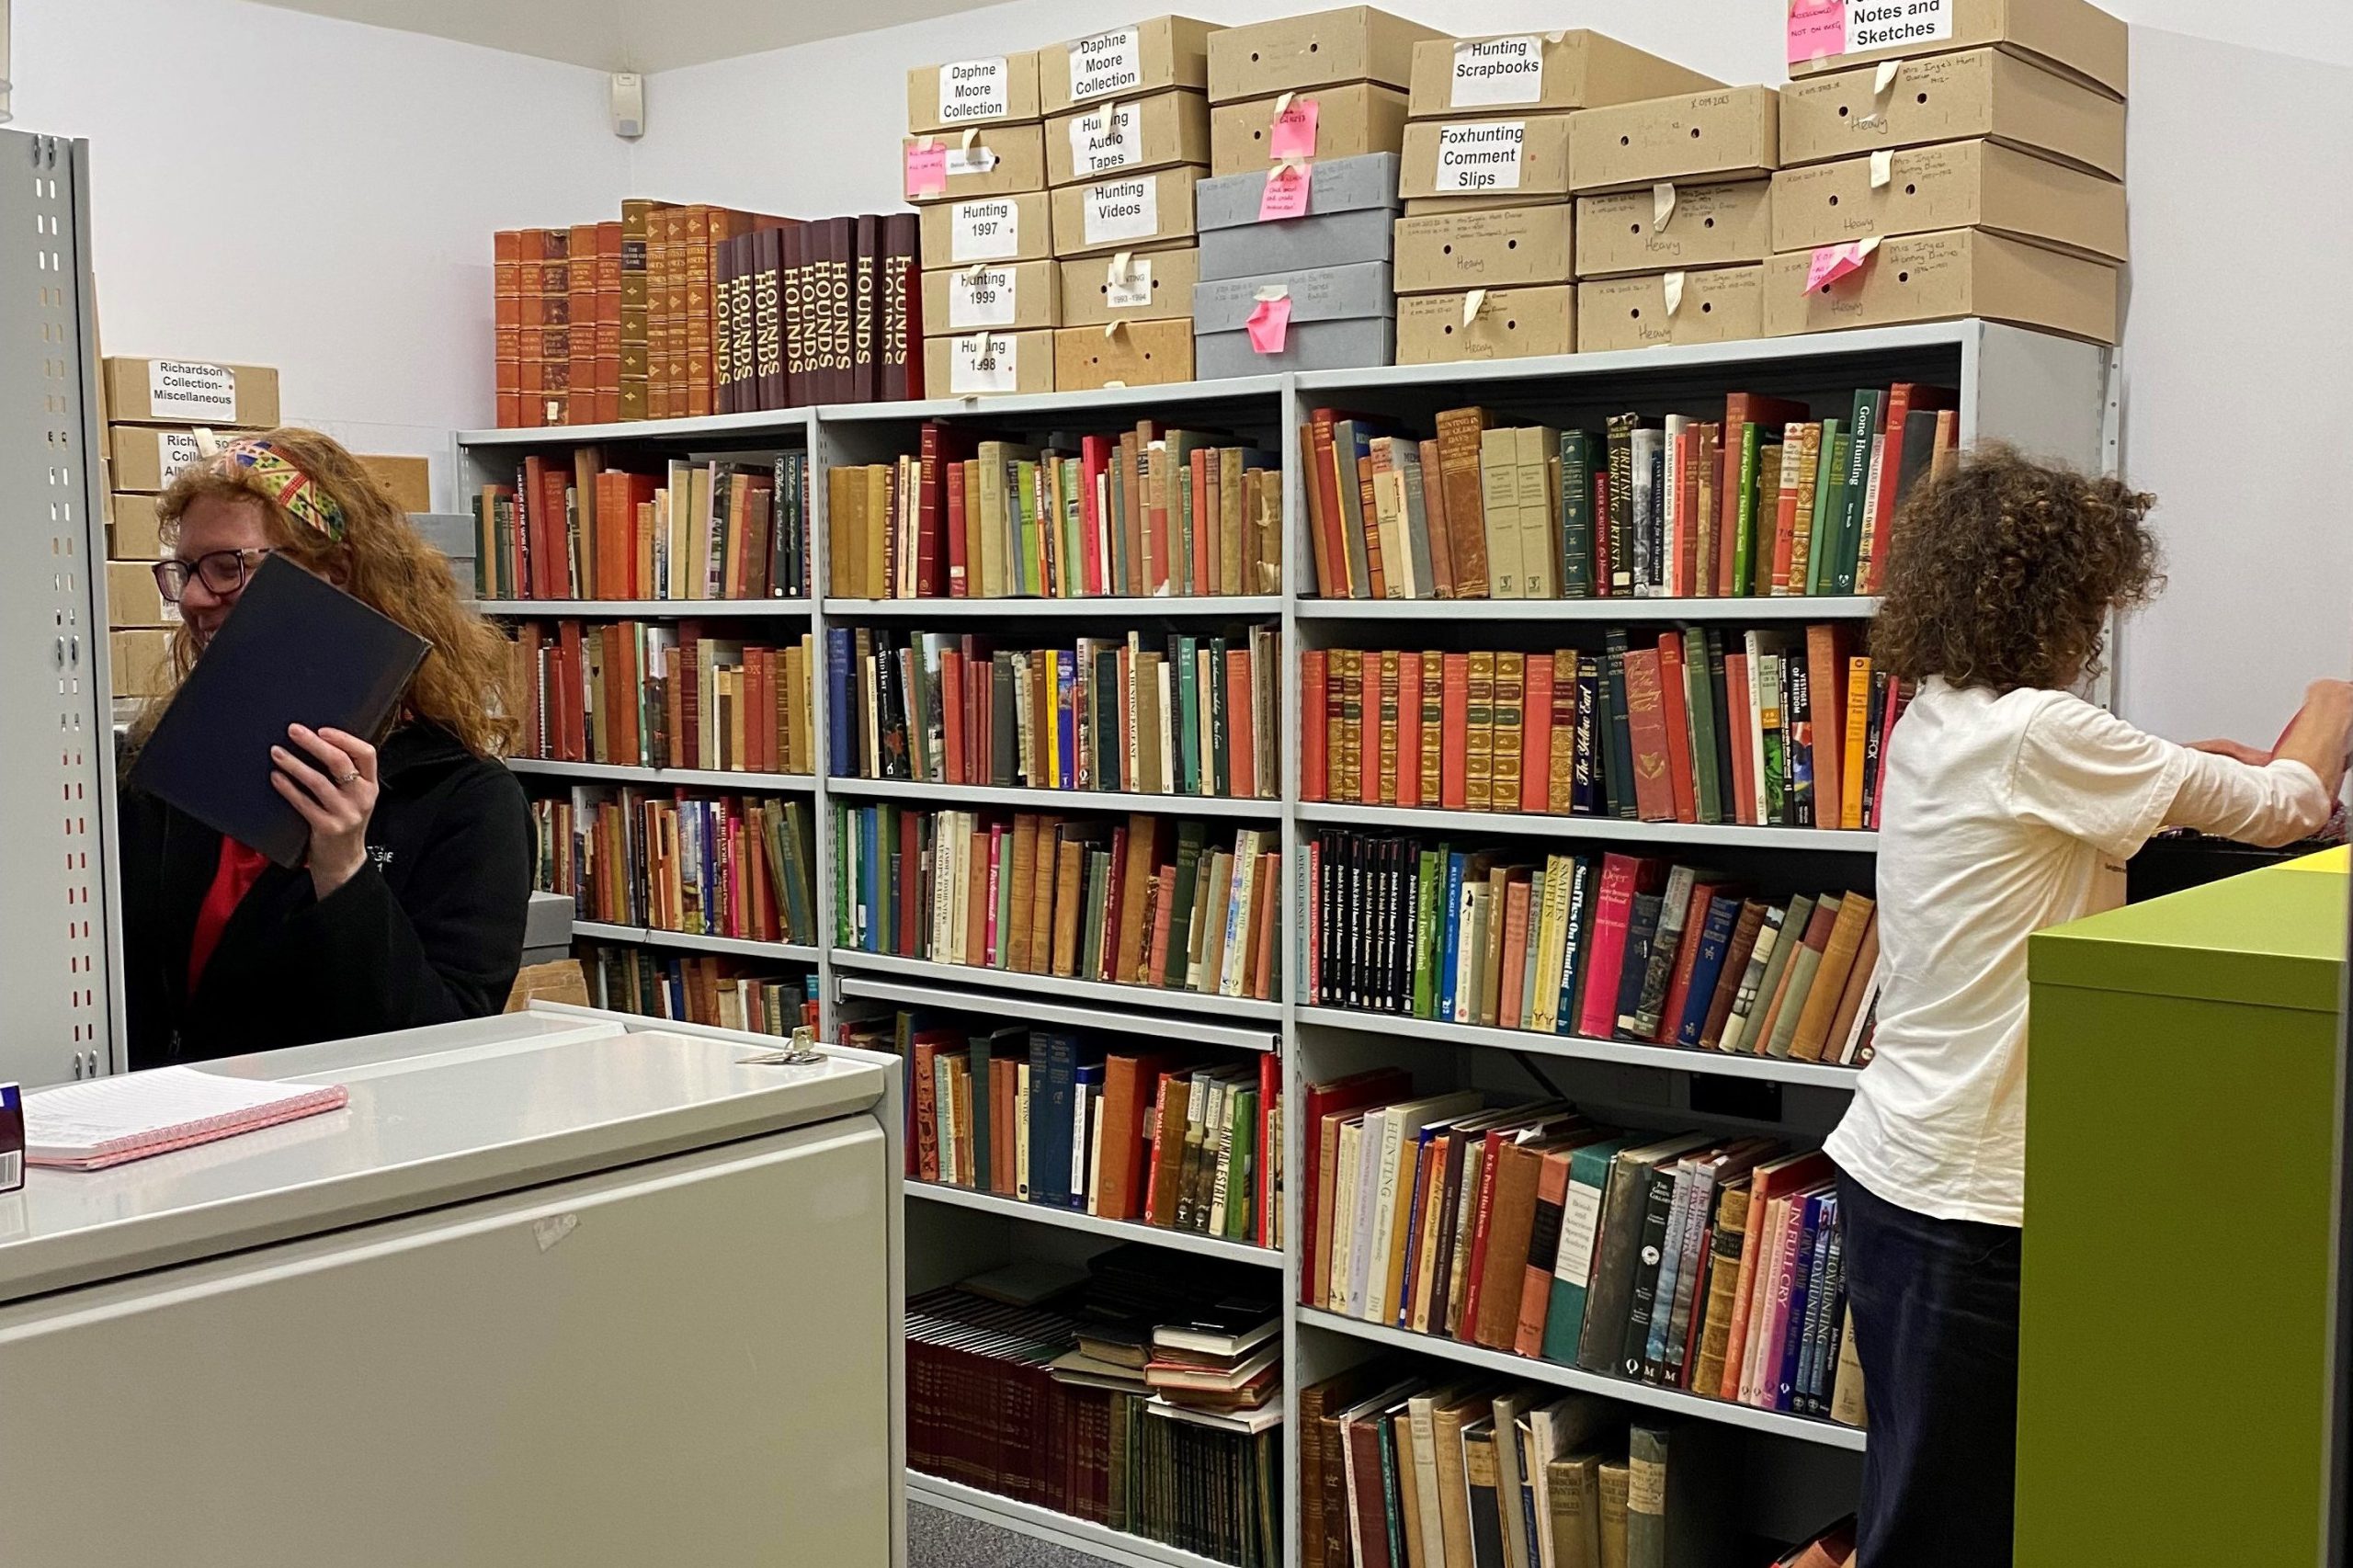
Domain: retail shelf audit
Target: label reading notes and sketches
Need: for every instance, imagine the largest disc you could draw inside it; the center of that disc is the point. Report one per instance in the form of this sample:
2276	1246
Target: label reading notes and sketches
1122	210
1479	155
1492	71
1105	62
975	89
984	231
183	389
980	297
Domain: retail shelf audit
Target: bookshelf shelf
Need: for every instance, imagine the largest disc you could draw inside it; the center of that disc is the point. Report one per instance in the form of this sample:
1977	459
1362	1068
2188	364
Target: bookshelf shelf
640	609
1724	1412
1394	819
1110	400
857	987
623	773
1143	996
956	796
1610	611
1121	608
1578	1048
1043	1524
780	422
1077	1219
655	937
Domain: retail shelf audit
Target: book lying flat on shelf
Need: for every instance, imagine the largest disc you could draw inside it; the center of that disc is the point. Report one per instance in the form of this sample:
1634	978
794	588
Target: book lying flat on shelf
106	1121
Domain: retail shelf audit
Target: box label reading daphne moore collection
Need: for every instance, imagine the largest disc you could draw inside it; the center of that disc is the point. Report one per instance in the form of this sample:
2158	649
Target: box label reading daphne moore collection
1122	210
182	389
1105	62
975	89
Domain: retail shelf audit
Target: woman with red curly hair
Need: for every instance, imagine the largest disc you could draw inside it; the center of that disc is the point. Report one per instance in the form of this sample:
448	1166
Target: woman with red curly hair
2010	805
411	906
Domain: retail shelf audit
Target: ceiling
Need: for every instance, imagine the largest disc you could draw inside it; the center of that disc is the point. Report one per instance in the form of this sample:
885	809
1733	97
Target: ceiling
630	35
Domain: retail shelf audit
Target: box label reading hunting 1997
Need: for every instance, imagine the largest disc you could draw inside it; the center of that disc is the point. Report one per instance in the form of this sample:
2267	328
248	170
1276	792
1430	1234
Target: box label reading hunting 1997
180	389
984	231
1492	71
1120	209
975	89
1105	62
1480	156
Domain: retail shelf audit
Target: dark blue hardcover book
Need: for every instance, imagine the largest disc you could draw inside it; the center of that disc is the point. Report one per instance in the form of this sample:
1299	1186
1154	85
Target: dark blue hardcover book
1642	929
1584	793
1784	1376
841	736
1451	917
1707	968
1053	1058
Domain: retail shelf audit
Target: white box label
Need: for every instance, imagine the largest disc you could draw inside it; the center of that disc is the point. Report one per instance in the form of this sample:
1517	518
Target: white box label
975	89
984	231
1105	62
984	362
183	389
1120	209
1494	71
968	161
979	297
1481	155
1132	292
178	450
1105	139
1892	24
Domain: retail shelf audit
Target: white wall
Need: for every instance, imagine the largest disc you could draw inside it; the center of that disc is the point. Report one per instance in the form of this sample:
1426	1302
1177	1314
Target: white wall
2238	338
280	189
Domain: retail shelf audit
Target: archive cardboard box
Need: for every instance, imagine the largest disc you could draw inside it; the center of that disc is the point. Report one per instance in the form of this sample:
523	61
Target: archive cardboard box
1518	73
1124	212
998	90
1504	247
146	456
1350	209
1154	286
1951	185
1015	296
2077	40
1722	135
132	598
1341	318
1721	224
1142	57
1956	272
1127	354
1525	158
408	481
1351	120
1502	324
190	391
1001	161
1953	97
1128	136
984	363
133	531
1288	55
991	229
136	660
1716	305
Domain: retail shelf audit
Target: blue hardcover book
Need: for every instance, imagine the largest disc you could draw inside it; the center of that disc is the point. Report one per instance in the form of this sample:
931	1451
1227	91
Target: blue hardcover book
1817	1303
869	878
1707	968
1585	799
1800	1279
1450	949
1066	717
1642	929
1834	1318
1053	1058
1085	1105
1186	718
1670	1262
841	740
1573	945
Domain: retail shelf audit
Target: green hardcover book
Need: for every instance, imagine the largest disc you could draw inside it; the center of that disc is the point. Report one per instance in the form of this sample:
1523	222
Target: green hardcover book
1073	532
881	896
1392	1511
1189	837
999	958
1098	887
1573	1265
1187	717
1221	759
1646	1491
1109	741
1114	484
977	1054
844	858
1621	428
1180	523
1576	513
1242	1160
1821	570
1429	881
1744	542
1858	472
1700	706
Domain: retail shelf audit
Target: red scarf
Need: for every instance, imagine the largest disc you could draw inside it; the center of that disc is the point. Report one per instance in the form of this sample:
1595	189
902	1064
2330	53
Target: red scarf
239	869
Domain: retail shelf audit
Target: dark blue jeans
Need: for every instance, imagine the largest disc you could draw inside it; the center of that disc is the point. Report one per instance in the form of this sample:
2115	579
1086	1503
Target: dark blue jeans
1936	1305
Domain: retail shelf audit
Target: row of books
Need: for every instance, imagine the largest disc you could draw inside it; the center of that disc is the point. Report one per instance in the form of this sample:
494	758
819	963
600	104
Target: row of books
819	310
1692	1262
1760	729
1150	901
1147	512
697	988
738	866
648	694
1767	501
1609	947
1178	715
710	530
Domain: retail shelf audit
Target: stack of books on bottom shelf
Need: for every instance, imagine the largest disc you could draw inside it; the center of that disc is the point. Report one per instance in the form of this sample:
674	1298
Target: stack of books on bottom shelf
725	992
1693	1262
735	866
1143	1396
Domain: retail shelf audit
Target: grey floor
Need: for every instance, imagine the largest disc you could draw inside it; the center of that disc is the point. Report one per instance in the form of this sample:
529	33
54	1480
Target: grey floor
936	1538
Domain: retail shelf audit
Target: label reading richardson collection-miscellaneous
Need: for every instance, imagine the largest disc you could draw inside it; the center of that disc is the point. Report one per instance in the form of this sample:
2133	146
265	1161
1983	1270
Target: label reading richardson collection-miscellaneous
1105	139
1120	209
1493	71
984	231
980	297
1481	155
183	389
975	89
985	362
1105	62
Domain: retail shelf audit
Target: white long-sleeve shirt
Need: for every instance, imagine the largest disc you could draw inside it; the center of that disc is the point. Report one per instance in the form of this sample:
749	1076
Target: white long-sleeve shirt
2004	814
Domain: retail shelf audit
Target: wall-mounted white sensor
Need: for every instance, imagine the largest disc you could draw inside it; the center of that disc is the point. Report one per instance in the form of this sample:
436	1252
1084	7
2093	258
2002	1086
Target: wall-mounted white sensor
629	104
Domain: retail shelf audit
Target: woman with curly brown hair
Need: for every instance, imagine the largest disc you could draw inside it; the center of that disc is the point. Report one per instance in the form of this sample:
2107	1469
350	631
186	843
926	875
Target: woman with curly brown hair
410	909
2009	805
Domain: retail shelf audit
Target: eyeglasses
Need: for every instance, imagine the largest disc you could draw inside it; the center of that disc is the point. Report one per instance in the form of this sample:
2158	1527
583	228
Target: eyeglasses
225	572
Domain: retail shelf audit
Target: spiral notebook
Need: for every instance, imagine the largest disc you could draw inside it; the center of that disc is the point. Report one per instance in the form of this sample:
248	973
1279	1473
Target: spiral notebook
105	1121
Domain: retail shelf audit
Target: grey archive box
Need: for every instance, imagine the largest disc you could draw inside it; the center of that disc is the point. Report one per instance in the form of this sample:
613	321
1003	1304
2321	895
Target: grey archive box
1341	318
453	534
1351	208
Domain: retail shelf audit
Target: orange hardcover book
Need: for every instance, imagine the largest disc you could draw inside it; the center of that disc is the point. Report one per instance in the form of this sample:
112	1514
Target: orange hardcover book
1459	433
1409	729
1503	1273
1785	504
1536	1290
1824	662
1840	952
1858	706
1241	732
1364	745
1536	735
1128	1082
1314	715
1743	768
1647	716
1859	981
1454	785
1366	512
1680	759
952	715
1381	786
1515	951
1262	952
1434	517
1323	501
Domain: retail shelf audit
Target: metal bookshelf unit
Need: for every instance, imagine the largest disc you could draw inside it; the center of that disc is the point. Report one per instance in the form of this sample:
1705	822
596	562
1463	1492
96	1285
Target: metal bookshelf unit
2045	394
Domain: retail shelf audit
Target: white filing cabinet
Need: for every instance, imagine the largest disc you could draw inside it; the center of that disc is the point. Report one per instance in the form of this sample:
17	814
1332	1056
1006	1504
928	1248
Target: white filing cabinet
551	1290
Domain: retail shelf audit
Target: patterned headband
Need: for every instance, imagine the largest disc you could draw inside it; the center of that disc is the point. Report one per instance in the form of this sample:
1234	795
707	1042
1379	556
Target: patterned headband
269	471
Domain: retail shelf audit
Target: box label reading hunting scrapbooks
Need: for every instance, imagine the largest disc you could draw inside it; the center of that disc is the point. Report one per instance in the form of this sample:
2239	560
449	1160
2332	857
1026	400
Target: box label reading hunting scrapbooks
982	363
182	389
1821	28
984	231
979	297
1106	63
975	89
1105	140
1480	156
1490	70
1120	210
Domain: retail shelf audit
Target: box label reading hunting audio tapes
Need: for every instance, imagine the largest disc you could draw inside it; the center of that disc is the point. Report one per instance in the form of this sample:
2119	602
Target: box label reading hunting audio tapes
1105	140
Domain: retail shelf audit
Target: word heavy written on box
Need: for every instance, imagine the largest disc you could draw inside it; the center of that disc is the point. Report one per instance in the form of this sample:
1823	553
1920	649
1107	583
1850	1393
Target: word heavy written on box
1496	324
1953	97
1501	247
1715	305
1682	225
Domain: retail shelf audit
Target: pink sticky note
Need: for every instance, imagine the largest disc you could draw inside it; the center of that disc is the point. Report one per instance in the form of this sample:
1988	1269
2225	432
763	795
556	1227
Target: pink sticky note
1817	27
1286	192
1830	263
1292	135
926	168
1268	324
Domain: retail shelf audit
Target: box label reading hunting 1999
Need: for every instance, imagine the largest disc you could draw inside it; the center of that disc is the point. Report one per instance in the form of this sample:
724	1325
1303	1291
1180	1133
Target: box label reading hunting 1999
975	89
1480	156
1122	210
1105	62
1491	71
180	389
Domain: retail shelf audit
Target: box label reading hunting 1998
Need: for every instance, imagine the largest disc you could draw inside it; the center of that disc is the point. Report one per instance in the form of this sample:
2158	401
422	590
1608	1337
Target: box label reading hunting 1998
1492	71
984	231
1480	156
975	89
1120	209
1105	62
180	389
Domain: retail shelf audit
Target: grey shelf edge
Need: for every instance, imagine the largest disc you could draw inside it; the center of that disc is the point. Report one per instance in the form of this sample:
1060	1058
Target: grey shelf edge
1105	607
1095	1224
688	941
1849	607
759	422
864	988
956	796
640	609
1540	825
624	773
1231	387
1667	1058
1145	997
1056	1529
1723	1413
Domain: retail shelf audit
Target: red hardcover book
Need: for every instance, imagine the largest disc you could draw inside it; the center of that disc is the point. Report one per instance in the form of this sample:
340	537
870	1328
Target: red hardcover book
923	1155
1314	714
1536	1283
1744	762
1374	1086
1325	477
959	583
865	309
1270	1098
1785	509
1536	736
1898	698
943	449
952	715
1646	719
1454	791
899	352
1483	1216
1365	512
1127	1095
793	311
1367	740
1690	447
1681	761
1687	956
1200	570
1241	737
1093	462
571	739
1409	729
1621	877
